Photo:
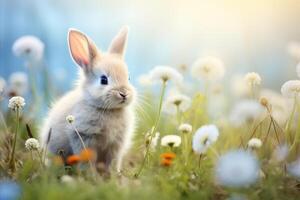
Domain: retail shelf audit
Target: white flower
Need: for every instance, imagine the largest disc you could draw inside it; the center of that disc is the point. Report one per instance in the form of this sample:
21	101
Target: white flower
237	169
293	49
245	111
18	83
208	68
67	179
291	88
164	74
70	119
176	101
32	144
239	87
204	137
294	169
171	140
154	141
144	80
16	103
254	143
280	106
281	152
2	85
252	78
185	128
30	48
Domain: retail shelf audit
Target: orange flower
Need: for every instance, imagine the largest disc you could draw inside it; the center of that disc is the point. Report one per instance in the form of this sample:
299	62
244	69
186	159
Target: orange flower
87	155
72	160
168	156
166	162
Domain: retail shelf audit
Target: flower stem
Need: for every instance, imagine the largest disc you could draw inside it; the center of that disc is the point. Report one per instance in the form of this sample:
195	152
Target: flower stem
12	155
153	131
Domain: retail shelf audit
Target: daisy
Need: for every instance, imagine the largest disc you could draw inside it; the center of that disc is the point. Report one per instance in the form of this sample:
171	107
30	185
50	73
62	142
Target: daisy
254	143
16	103
29	47
245	111
291	89
32	144
204	137
176	102
294	169
171	140
18	83
252	79
237	168
164	74
208	68
185	128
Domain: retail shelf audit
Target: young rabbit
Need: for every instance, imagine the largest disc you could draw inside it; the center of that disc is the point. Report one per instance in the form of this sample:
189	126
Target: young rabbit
101	103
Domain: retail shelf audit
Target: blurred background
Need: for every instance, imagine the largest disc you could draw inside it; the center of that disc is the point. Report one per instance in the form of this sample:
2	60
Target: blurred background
248	35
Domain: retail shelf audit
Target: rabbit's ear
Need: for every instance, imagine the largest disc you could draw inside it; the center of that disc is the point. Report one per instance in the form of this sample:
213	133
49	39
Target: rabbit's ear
118	44
82	49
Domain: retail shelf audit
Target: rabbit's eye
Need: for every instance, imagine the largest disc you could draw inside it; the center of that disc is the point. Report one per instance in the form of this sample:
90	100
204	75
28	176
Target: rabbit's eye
103	80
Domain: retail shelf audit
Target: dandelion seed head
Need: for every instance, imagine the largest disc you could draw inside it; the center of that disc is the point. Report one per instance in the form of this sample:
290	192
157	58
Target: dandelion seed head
16	103
204	137
70	119
208	68
18	83
32	144
237	168
294	169
291	89
185	128
252	78
176	101
171	140
254	143
245	111
29	47
164	74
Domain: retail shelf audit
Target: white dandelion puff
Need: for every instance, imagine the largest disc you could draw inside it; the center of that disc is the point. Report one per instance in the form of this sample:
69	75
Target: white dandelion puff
176	102
246	111
165	73
67	179
291	89
171	140
16	103
237	168
204	137
32	144
294	169
254	143
29	47
18	83
2	85
70	119
208	68
252	78
185	128
281	152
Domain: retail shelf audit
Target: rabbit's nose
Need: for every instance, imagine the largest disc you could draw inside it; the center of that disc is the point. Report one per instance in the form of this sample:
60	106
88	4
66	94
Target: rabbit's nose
123	95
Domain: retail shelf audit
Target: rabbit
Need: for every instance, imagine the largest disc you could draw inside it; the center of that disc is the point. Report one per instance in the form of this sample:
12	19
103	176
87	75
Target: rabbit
102	103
